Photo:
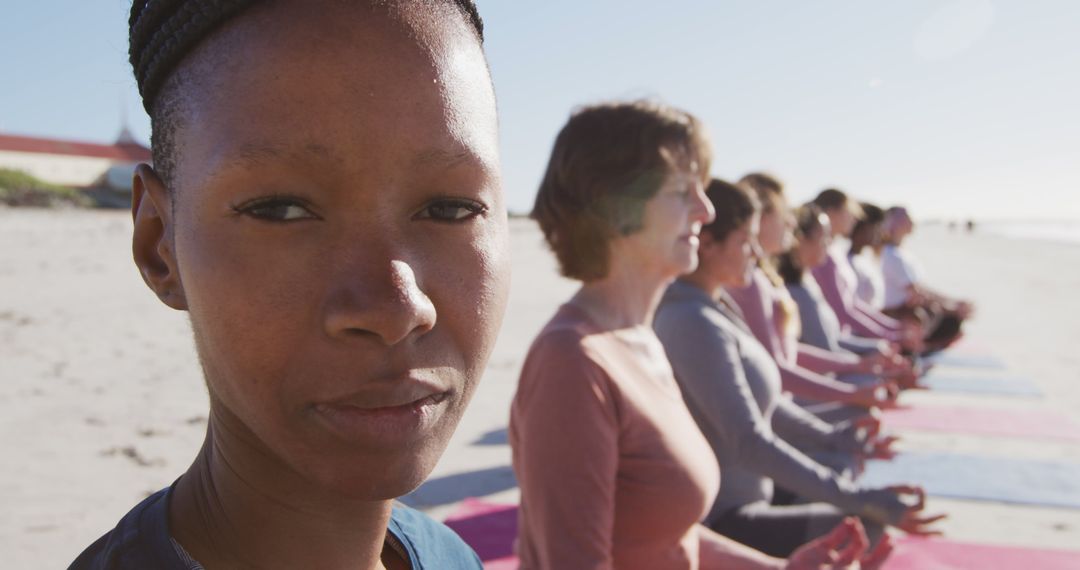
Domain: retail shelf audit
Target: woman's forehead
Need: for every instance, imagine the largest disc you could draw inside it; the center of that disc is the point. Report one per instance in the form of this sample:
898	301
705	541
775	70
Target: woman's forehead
300	84
680	157
352	45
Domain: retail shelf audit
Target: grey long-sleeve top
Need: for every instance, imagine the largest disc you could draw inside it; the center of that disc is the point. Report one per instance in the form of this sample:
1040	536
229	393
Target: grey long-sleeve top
732	387
820	325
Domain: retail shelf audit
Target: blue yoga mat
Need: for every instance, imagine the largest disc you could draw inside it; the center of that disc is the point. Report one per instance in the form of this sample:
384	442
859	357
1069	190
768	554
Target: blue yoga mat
961	360
1045	483
974	383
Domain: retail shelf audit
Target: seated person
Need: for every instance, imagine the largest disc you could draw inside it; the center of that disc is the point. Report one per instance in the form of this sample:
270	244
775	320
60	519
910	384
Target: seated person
613	470
838	281
732	387
865	256
819	325
906	295
773	318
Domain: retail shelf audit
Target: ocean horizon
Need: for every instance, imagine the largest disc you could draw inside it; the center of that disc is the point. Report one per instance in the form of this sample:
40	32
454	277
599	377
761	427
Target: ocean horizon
1057	231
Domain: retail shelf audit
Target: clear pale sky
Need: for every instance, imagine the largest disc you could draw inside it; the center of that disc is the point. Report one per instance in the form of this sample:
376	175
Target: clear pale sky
957	108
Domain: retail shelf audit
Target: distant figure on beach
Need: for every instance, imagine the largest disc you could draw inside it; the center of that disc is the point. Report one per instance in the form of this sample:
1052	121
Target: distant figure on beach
325	204
820	325
613	470
773	317
732	387
838	281
865	256
906	295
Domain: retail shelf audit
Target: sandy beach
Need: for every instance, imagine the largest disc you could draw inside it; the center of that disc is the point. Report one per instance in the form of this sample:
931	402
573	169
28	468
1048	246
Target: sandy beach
102	402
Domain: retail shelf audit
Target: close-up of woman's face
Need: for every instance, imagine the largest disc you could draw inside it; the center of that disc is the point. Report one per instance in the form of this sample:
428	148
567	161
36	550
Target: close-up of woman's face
738	253
842	220
777	223
340	237
671	222
868	235
814	245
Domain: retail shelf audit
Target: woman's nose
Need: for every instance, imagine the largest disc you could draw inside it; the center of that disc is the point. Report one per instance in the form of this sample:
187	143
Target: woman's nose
380	300
703	209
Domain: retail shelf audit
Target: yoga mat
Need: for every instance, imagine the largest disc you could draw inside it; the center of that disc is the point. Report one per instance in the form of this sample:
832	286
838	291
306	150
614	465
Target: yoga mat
490	529
977	384
1046	483
965	360
1043	424
914	553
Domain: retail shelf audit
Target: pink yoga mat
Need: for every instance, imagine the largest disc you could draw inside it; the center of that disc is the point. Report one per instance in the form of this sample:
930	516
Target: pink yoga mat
1044	424
913	553
490	529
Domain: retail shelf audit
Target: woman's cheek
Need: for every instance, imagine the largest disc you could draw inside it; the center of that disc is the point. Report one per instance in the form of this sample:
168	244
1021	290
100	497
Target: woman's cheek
484	283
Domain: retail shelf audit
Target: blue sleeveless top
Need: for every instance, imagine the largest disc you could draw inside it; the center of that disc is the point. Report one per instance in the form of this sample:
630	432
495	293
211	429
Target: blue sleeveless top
142	540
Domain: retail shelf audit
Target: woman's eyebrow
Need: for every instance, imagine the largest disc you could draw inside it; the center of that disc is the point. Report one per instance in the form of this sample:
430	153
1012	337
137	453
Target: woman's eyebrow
438	157
258	153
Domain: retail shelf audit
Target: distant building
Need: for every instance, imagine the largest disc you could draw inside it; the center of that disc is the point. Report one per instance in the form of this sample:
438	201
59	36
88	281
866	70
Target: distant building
72	163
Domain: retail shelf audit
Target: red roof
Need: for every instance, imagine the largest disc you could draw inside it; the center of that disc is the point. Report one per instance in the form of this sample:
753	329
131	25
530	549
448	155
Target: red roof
124	152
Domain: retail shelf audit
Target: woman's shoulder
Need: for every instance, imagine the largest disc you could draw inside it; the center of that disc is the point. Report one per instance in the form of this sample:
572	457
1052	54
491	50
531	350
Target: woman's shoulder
429	544
798	289
684	301
140	540
571	341
570	325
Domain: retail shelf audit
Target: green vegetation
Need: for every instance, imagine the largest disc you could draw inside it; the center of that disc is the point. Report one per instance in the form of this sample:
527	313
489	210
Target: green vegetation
18	188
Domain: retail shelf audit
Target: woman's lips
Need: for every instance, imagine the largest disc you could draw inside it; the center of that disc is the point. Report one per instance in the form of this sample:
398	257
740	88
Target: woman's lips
388	424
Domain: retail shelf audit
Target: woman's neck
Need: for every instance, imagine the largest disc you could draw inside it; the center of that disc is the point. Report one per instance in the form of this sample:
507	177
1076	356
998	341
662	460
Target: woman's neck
622	299
239	507
703	280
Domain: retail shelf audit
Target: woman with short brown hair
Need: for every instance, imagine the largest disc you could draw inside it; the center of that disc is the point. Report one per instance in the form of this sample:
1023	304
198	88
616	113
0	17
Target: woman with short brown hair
613	471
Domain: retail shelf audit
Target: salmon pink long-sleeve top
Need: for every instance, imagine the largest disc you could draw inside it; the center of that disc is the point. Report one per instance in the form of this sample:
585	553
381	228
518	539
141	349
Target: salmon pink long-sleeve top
613	470
838	282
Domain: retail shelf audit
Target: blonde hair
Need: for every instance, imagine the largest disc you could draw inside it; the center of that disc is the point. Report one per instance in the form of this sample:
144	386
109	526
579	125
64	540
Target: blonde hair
770	192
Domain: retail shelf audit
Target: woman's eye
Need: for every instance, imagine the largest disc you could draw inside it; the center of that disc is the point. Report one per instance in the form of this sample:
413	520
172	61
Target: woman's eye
451	211
276	210
688	194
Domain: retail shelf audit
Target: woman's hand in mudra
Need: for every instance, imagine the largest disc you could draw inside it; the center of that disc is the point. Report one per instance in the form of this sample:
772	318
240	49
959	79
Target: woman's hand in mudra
845	547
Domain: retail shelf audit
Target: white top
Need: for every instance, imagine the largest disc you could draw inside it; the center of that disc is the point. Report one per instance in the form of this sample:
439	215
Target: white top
899	271
871	285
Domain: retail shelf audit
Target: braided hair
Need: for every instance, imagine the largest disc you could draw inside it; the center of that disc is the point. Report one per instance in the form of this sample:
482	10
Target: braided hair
162	33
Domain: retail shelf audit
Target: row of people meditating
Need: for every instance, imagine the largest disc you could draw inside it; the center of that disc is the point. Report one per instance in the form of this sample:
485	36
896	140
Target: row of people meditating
339	241
709	395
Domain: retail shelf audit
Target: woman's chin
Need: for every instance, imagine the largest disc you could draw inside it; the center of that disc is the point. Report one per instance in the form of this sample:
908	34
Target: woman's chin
375	483
371	475
685	265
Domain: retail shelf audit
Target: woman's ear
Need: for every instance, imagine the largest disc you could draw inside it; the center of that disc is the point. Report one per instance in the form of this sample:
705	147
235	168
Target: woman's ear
152	240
